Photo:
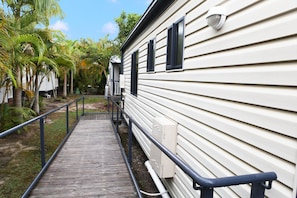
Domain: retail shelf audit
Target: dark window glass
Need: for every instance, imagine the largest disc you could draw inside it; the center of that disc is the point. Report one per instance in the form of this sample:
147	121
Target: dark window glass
175	45
134	73
151	56
169	48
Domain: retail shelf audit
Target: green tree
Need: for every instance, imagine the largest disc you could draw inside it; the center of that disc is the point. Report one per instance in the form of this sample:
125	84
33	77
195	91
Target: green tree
93	66
43	66
64	58
25	15
126	23
16	45
5	31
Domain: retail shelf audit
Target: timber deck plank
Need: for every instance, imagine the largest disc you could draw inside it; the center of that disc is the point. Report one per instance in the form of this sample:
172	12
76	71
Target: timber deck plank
89	165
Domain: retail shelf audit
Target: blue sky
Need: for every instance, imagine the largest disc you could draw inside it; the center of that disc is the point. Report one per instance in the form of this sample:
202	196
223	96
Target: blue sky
94	18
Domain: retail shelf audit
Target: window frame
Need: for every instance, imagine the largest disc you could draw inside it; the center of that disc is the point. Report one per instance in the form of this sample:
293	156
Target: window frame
151	51
134	73
175	46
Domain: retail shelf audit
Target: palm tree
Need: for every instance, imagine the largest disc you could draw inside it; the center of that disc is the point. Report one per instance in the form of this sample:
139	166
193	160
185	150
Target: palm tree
30	49
5	31
45	9
11	46
65	64
42	67
25	15
64	59
6	76
74	53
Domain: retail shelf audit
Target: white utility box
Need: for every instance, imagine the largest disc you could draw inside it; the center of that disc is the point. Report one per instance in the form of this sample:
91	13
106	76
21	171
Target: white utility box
165	131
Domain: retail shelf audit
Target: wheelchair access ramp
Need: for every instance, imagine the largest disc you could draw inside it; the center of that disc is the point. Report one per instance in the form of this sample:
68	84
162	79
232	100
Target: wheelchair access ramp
89	165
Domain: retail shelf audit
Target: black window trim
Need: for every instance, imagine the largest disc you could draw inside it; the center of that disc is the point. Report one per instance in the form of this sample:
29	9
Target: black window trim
134	73
151	46
172	46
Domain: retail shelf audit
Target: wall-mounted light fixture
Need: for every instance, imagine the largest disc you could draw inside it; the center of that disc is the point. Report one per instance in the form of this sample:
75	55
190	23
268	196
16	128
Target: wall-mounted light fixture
216	17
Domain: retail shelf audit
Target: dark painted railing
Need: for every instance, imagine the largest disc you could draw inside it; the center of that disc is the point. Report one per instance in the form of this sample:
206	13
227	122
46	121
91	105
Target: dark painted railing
45	164
259	181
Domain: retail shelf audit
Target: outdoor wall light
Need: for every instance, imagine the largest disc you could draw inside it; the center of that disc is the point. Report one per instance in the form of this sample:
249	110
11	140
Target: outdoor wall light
216	17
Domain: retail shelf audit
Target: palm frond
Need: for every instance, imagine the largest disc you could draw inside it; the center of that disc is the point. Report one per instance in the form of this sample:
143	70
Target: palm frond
33	39
48	64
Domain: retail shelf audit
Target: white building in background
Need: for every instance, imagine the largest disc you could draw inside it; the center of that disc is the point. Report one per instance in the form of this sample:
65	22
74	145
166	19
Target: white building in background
113	79
232	92
48	86
50	83
5	95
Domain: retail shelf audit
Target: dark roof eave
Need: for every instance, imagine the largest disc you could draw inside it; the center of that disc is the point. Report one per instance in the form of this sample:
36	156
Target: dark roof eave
156	8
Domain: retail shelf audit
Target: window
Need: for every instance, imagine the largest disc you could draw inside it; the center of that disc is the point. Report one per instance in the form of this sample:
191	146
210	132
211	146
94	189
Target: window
134	73
151	56
175	45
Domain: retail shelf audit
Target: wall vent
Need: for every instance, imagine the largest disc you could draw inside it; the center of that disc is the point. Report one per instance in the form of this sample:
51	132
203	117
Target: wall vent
165	131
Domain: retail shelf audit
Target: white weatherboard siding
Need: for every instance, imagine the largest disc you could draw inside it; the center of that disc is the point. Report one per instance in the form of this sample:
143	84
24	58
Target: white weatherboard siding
48	83
235	100
5	95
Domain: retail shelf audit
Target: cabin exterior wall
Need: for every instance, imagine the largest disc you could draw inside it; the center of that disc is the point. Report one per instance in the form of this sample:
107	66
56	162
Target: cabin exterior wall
5	95
113	78
49	82
235	97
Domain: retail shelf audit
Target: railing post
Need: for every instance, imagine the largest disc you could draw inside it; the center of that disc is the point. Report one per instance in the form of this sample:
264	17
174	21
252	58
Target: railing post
108	103
67	119
258	190
76	103
130	139
117	119
206	192
42	147
112	110
83	106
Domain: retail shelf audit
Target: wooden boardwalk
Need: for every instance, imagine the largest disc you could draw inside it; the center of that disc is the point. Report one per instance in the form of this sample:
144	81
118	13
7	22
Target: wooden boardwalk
89	165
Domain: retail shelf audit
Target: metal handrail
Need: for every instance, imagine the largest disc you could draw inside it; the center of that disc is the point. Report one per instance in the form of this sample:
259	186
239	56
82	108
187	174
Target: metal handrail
15	128
259	181
45	164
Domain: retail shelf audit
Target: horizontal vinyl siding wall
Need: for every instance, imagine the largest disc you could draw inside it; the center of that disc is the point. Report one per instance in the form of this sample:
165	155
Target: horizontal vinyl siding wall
235	101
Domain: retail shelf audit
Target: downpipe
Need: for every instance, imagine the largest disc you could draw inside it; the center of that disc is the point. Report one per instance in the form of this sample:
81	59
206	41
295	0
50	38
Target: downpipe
157	181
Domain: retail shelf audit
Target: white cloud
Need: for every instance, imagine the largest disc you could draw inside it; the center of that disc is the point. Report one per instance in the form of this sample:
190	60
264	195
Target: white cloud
113	1
60	25
109	28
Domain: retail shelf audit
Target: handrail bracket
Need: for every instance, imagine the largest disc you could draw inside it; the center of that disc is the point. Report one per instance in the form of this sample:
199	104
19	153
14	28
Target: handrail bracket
206	192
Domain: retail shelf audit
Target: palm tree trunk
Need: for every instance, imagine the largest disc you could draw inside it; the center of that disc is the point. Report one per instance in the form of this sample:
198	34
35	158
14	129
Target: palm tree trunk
54	87
17	96
36	97
6	88
71	82
65	85
17	92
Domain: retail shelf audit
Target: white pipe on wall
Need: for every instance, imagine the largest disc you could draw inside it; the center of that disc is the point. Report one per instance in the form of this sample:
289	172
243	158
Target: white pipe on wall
157	181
